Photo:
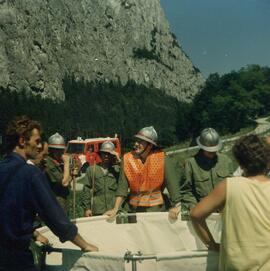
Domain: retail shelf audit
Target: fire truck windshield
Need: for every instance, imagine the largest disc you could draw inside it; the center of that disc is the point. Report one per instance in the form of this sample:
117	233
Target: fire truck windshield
75	148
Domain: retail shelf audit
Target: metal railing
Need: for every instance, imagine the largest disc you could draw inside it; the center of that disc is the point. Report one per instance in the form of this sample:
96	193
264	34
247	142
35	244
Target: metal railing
137	257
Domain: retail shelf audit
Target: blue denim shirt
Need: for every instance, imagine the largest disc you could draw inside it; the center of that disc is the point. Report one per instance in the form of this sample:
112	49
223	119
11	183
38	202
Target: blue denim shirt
27	194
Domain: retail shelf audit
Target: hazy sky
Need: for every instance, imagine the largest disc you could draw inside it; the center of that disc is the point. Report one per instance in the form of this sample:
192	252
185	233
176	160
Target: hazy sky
221	35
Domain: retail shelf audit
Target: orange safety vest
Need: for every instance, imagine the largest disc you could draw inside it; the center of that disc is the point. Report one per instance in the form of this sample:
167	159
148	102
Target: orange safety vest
145	179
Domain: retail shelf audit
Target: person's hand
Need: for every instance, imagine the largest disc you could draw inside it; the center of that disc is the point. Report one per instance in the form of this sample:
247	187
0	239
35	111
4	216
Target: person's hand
88	213
90	248
74	171
111	213
118	159
42	239
174	212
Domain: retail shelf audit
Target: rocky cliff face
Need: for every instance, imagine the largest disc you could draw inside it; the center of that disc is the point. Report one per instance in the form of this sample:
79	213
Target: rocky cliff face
41	41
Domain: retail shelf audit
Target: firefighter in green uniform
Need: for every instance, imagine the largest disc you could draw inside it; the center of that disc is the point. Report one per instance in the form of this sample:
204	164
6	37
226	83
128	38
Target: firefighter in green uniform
57	169
145	172
205	170
101	182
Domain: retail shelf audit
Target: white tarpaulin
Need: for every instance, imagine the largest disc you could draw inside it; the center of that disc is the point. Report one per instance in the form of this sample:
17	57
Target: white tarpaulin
188	261
169	245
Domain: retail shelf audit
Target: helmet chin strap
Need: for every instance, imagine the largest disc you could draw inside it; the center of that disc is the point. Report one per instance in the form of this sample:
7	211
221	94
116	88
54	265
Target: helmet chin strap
143	154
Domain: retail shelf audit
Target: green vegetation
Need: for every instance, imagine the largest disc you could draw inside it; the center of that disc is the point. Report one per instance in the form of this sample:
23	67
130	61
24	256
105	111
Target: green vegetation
228	103
97	109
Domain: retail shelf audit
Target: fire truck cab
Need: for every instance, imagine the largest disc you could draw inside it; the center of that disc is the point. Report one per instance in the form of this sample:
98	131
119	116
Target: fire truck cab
87	150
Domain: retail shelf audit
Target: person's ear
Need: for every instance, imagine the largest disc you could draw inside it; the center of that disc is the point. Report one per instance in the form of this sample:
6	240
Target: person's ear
150	146
21	142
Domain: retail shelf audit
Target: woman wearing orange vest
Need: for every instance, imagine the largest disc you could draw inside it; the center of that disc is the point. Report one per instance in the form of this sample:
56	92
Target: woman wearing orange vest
146	172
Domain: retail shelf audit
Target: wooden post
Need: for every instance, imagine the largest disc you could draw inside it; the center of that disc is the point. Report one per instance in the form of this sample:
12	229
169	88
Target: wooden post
74	196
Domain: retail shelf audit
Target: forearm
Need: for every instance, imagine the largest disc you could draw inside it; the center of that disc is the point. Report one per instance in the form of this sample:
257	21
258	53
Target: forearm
50	211
203	232
215	200
80	242
118	202
66	175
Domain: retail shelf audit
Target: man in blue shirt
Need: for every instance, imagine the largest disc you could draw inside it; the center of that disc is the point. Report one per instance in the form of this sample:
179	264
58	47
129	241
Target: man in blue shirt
24	193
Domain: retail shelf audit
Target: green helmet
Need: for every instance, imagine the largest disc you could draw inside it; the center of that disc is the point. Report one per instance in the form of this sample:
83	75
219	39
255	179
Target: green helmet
148	134
209	140
56	141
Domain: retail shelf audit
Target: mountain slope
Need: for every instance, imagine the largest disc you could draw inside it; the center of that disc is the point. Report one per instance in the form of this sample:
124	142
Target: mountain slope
41	41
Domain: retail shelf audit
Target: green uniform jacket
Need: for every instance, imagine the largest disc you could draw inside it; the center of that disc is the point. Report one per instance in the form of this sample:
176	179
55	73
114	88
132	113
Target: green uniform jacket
105	186
202	175
54	174
173	174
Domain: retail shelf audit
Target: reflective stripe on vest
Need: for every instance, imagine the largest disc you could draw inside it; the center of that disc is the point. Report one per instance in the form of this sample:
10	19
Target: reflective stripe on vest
146	199
145	179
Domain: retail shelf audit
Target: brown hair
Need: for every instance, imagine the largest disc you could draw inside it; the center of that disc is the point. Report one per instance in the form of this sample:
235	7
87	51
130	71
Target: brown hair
252	153
19	127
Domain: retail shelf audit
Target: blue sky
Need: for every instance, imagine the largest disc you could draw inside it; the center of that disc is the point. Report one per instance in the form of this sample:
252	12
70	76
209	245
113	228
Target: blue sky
221	36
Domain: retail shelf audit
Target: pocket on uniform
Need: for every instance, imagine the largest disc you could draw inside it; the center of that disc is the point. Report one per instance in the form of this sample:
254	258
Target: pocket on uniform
222	173
113	186
203	177
98	185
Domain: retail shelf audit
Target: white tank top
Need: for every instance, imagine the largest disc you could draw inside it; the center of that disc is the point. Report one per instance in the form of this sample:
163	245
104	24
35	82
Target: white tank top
246	226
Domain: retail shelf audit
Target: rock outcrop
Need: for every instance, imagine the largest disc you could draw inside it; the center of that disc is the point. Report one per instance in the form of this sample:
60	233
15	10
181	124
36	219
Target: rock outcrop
41	41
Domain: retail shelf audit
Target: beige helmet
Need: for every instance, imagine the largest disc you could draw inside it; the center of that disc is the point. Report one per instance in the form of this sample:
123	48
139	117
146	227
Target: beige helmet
109	147
148	134
209	140
56	141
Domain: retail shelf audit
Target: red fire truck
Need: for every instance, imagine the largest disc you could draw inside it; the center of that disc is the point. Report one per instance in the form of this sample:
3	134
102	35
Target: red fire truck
87	150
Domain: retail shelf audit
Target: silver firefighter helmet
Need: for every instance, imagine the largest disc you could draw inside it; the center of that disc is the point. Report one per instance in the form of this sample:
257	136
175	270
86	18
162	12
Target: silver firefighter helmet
109	147
148	134
209	140
56	141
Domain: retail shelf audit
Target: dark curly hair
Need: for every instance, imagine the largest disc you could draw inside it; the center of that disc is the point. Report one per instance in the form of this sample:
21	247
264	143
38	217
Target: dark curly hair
253	154
19	127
